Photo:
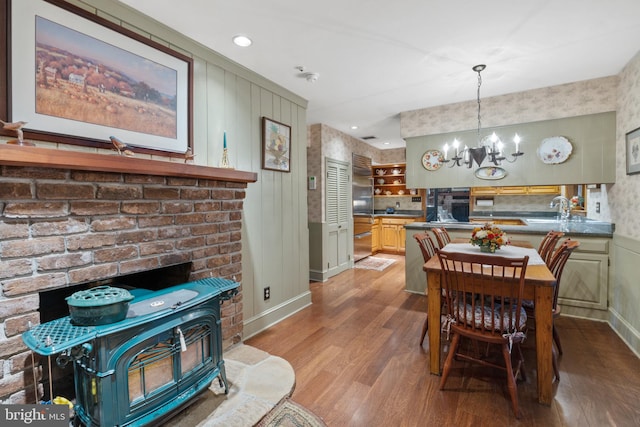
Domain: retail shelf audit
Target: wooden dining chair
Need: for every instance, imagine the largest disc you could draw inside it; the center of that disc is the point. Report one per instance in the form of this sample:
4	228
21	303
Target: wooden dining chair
548	245
428	249
556	265
442	236
484	304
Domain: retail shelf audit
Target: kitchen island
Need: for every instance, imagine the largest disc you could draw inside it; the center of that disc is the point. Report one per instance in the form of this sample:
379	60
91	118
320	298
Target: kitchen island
586	276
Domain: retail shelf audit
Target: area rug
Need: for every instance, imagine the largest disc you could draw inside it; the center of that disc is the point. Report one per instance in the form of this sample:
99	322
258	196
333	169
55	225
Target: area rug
291	414
373	263
258	383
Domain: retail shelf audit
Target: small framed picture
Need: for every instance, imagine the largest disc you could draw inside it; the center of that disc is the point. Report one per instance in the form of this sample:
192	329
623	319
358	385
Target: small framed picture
276	145
633	151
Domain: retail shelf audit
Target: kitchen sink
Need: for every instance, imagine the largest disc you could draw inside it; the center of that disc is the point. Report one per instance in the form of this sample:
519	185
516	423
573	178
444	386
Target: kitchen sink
540	220
498	221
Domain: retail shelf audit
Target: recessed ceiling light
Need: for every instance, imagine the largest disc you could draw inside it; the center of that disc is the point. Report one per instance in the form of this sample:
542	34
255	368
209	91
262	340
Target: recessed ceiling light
242	41
354	127
385	143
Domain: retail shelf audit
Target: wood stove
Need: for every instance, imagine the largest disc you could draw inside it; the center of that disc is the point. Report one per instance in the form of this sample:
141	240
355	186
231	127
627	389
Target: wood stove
135	371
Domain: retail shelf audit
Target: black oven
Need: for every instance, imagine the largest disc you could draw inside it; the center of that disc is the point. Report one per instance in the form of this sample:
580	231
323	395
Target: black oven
448	204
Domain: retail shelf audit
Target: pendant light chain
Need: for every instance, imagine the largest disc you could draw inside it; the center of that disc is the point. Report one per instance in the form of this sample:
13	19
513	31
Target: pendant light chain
479	120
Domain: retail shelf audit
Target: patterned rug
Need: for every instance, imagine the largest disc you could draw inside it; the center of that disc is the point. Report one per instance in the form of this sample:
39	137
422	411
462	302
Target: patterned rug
373	263
291	414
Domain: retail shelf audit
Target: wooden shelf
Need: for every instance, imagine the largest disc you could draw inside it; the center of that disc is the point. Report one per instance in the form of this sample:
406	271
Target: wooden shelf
388	179
15	155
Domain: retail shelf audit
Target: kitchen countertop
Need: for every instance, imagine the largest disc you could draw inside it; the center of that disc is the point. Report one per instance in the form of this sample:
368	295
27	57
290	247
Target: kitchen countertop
576	226
593	235
399	213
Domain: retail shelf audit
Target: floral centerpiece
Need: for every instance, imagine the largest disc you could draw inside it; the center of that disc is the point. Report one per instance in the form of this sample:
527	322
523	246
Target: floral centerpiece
489	237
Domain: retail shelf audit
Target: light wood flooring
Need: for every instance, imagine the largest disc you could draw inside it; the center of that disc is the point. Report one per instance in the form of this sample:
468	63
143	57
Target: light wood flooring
358	362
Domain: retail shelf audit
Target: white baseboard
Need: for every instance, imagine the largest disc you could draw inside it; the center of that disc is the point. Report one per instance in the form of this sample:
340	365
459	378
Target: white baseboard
627	333
318	276
274	315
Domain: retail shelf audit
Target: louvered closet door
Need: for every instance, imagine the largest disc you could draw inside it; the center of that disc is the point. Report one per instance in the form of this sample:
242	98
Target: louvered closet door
338	220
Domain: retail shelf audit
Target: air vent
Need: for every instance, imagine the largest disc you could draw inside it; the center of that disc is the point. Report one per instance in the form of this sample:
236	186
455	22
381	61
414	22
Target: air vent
368	137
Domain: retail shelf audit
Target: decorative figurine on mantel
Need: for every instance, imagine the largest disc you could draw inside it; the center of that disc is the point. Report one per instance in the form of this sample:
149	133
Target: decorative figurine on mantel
225	163
121	147
188	156
17	127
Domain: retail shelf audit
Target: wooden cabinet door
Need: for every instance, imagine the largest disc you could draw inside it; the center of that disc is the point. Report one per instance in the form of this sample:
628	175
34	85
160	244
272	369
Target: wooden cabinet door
394	234
544	189
402	236
585	279
484	191
389	237
513	190
375	236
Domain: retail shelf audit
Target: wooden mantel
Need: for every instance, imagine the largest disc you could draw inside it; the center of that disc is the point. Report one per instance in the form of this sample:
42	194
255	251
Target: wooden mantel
15	155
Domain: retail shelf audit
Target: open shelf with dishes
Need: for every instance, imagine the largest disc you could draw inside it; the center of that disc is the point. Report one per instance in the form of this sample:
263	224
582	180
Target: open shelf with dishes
389	180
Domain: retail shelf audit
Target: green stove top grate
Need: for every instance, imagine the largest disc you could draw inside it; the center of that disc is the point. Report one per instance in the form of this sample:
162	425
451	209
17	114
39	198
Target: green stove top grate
58	332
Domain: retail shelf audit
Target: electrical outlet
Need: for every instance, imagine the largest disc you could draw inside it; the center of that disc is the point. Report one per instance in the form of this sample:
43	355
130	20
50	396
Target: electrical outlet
267	293
597	207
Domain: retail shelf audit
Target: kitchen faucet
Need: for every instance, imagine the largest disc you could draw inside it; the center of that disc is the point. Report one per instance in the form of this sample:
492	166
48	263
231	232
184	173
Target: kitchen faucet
563	206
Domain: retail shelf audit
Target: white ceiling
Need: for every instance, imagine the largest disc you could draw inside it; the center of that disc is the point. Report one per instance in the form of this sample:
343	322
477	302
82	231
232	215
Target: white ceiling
377	58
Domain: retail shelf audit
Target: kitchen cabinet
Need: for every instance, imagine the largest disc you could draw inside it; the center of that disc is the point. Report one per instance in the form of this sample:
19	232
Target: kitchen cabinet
389	180
375	236
544	189
585	278
393	234
515	190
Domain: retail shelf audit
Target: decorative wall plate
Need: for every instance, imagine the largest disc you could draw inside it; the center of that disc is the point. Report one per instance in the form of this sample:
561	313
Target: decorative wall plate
554	150
432	160
490	172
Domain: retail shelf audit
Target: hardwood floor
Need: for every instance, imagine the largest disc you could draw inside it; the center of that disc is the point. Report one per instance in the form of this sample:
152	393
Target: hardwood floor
357	360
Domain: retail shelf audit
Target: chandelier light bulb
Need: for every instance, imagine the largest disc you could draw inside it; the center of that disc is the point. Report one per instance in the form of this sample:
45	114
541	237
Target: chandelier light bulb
516	140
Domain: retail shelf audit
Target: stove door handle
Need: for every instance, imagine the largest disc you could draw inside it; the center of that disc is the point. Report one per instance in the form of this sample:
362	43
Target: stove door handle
183	344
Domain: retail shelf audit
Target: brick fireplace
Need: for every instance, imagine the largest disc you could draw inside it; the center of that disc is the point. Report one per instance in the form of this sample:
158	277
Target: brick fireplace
61	226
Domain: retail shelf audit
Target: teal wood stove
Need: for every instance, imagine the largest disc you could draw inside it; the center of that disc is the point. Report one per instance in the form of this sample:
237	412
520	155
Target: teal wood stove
136	371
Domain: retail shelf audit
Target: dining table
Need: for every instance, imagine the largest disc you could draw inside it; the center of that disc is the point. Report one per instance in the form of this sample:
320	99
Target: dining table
539	285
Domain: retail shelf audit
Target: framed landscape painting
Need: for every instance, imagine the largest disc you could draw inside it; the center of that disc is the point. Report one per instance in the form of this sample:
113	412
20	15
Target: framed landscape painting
632	142
276	145
82	79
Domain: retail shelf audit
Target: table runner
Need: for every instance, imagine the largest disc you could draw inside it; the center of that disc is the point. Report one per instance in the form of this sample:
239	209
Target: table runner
505	251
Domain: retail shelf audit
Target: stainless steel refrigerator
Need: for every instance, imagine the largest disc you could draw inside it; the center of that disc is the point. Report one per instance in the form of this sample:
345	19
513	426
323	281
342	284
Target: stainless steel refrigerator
362	193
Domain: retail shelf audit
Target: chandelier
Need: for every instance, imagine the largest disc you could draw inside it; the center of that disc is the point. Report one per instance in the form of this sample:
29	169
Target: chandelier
490	147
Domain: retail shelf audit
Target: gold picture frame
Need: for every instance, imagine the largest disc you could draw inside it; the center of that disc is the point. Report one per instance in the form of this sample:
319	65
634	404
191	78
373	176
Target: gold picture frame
77	78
